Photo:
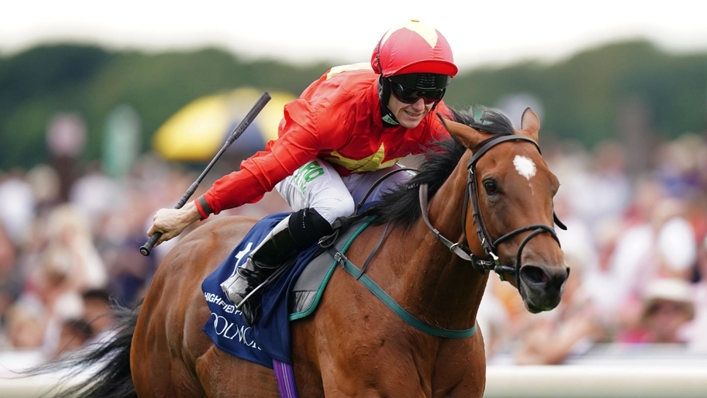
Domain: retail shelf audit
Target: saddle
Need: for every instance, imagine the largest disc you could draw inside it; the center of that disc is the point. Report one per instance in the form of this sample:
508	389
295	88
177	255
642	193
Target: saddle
293	294
311	283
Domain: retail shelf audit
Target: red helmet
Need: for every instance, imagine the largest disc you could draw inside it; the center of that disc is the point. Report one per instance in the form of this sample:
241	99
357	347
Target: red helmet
413	47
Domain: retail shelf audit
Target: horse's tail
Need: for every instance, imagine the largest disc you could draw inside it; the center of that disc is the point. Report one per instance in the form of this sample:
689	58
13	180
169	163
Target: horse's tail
103	368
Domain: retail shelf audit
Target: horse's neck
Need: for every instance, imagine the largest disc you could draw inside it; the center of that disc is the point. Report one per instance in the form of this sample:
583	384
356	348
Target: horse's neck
440	286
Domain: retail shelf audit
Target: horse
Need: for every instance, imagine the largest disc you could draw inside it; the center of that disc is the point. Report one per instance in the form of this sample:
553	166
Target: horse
480	202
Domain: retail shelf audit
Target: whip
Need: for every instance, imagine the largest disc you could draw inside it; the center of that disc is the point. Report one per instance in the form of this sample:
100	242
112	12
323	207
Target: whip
237	132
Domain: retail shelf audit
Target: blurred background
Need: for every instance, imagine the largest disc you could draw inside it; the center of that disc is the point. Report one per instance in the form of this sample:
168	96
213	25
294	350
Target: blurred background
107	115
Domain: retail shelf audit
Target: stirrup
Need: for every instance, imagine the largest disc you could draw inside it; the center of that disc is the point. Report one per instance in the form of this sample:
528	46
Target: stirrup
255	291
250	305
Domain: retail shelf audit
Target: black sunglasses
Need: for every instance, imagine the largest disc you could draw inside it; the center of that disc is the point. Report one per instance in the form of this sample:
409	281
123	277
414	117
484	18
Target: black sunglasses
411	95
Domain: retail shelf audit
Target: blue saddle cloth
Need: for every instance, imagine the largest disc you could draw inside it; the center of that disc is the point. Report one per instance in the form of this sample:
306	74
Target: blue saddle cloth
269	338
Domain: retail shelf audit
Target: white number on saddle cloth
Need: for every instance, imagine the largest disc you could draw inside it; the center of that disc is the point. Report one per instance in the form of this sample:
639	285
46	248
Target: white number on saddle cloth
242	255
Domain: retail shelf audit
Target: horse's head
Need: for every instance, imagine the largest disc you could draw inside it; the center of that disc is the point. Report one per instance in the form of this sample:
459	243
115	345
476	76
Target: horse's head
510	211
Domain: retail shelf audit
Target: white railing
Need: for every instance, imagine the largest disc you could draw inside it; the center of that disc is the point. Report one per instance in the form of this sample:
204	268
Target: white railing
525	382
585	381
607	372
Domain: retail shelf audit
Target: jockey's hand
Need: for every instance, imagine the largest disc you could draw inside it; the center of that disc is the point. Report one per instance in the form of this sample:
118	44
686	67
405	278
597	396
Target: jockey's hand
171	222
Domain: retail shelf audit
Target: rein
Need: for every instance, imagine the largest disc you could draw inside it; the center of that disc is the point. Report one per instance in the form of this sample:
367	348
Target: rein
491	263
360	275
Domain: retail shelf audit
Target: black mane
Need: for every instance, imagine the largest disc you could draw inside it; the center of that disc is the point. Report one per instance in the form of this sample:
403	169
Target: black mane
402	206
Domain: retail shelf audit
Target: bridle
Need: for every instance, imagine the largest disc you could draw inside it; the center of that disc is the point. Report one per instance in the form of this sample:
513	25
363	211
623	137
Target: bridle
491	263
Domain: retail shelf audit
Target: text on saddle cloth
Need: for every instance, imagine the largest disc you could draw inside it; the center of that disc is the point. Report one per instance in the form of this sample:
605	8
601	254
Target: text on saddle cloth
293	295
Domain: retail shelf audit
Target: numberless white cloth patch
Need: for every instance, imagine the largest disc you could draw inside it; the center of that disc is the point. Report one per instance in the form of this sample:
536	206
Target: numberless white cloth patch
525	166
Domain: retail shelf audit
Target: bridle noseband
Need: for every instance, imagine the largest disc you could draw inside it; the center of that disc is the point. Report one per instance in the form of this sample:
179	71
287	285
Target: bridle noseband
489	245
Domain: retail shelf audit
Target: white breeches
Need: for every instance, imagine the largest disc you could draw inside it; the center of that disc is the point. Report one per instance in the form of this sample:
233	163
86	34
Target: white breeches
317	185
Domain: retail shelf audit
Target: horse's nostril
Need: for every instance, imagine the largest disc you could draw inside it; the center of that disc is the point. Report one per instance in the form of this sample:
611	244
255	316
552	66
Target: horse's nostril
534	275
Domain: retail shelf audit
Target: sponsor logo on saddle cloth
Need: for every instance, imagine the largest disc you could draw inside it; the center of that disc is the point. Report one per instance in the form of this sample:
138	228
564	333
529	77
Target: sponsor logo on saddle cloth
269	338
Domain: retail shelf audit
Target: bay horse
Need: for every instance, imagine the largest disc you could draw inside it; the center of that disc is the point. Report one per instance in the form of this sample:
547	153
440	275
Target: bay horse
481	202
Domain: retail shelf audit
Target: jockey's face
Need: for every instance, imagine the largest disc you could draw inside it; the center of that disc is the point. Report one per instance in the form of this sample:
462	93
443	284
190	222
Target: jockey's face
409	115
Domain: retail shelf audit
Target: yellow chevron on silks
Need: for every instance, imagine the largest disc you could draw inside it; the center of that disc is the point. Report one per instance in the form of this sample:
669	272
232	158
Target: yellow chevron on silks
369	163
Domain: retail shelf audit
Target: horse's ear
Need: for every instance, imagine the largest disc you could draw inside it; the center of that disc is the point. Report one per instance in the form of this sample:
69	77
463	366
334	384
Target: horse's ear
467	135
530	123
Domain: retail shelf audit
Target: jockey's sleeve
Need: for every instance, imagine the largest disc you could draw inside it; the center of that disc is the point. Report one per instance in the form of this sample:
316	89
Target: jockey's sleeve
298	143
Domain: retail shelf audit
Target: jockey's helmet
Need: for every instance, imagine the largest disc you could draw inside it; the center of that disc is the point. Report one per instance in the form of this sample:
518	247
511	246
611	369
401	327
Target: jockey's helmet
414	55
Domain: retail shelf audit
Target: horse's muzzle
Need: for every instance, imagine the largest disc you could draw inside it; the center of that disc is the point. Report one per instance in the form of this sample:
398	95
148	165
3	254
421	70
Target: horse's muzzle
541	287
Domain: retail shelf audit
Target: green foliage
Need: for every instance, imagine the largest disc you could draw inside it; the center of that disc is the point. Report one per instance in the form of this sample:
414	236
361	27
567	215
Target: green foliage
582	97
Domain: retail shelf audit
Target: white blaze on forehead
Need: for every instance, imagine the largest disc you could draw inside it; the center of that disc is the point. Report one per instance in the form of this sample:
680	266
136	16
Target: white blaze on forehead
525	166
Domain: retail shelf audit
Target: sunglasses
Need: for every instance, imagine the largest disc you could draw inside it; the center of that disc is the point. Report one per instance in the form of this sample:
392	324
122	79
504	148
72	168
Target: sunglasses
411	95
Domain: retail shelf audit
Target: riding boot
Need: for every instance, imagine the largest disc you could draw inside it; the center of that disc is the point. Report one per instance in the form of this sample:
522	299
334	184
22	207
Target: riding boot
262	262
296	232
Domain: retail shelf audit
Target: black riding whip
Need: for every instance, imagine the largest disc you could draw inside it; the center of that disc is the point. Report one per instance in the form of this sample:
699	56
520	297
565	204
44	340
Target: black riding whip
247	120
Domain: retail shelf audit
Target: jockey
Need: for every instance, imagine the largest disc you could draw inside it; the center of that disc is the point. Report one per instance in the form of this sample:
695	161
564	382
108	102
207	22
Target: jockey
345	131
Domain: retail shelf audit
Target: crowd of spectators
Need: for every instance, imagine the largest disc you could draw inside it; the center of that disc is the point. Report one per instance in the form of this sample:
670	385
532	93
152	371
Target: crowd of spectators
636	244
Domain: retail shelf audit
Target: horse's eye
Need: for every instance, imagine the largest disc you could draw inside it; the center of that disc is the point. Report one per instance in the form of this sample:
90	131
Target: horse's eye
490	187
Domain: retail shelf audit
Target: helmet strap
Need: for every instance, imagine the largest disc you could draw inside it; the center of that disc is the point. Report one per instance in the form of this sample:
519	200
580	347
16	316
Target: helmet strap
378	57
387	116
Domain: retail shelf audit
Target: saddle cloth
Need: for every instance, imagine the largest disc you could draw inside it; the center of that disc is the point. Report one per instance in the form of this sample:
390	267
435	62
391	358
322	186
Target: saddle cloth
294	294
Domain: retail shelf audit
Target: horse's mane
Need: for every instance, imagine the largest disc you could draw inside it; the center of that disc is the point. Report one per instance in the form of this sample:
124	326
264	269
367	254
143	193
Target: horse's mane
401	206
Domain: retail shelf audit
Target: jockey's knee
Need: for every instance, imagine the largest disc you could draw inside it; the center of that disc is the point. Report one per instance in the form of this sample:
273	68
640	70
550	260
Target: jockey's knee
332	208
307	226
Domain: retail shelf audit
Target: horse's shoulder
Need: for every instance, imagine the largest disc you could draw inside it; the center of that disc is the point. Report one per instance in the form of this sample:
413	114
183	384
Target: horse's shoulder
208	242
229	225
221	231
